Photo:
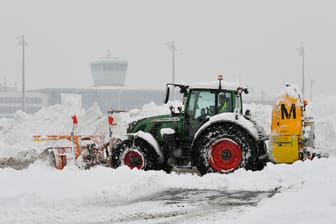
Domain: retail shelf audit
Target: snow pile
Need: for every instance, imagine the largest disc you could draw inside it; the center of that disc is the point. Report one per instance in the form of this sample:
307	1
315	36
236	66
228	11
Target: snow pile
16	133
261	114
323	110
309	199
292	91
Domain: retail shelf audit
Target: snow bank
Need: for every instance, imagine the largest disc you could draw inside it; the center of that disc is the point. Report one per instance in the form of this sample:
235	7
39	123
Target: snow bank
16	133
323	108
309	199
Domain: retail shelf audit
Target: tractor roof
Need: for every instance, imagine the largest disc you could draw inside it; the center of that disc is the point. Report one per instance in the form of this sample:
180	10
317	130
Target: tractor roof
215	85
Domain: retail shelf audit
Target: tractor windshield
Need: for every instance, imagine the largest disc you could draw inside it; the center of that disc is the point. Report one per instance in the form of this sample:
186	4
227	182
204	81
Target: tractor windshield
200	103
204	103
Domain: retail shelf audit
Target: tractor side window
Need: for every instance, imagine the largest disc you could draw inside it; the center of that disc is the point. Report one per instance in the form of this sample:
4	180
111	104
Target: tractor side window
225	102
191	107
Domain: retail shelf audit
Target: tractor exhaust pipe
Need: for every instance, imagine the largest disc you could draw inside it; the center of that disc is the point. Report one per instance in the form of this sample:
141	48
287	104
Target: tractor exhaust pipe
220	78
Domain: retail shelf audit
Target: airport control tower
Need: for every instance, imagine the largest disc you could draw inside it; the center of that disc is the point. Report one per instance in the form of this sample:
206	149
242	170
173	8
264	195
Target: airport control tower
109	71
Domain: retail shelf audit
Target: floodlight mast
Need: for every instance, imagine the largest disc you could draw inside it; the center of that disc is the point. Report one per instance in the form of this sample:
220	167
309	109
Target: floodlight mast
303	71
171	46
302	54
23	43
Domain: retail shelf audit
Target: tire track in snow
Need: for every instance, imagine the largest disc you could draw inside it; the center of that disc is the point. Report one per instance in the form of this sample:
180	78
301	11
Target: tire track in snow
188	205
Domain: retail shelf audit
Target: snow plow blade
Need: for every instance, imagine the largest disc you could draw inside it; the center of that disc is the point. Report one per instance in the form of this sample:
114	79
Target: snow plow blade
84	151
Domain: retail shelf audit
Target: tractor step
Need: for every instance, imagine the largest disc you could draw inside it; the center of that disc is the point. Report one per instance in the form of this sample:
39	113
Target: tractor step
185	169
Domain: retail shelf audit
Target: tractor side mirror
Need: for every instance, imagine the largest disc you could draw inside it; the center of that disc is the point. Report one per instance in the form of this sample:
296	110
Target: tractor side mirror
172	109
167	95
248	113
242	90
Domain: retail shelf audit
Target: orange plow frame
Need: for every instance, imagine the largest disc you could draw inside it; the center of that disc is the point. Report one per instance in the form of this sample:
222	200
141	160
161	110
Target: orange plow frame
60	155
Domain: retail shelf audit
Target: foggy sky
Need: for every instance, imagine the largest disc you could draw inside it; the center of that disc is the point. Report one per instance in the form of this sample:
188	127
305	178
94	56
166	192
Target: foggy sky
252	42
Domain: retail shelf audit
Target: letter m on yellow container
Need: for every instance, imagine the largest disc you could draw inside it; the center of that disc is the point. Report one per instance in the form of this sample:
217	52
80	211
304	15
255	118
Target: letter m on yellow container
287	124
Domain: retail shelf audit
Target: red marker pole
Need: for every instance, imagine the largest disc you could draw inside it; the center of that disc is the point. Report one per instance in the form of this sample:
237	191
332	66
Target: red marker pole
74	124
110	121
74	120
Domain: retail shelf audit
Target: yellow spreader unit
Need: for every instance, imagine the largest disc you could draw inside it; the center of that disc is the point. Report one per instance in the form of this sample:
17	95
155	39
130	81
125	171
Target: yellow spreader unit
285	149
287	124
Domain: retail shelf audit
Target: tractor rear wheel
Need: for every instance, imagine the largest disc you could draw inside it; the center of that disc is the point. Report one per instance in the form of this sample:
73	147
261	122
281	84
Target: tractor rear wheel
222	148
135	154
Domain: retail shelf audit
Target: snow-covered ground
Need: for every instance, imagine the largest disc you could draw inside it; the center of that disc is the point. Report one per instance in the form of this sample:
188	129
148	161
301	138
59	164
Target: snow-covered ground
304	192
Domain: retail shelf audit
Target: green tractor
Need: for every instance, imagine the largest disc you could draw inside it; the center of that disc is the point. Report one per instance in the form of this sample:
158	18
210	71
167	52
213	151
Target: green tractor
210	133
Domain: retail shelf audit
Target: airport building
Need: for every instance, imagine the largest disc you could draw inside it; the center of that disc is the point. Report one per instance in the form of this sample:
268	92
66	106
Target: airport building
109	91
11	101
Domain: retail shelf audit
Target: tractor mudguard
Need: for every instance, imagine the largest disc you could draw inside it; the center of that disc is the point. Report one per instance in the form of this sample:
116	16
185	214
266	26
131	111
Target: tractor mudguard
225	145
254	130
150	140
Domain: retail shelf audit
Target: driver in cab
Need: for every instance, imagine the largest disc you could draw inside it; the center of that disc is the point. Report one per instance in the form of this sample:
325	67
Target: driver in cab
222	103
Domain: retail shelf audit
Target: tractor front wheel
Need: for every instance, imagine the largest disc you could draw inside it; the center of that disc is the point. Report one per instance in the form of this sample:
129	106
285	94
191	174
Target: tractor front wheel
136	153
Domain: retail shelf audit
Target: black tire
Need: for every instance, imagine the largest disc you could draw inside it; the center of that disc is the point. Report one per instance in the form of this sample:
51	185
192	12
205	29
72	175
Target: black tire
138	154
223	148
254	162
52	159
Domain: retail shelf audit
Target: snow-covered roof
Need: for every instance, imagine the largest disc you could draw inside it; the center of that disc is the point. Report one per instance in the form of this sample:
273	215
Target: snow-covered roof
110	60
215	85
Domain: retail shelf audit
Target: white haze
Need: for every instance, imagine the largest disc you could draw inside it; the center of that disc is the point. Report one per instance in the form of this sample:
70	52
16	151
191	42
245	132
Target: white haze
252	42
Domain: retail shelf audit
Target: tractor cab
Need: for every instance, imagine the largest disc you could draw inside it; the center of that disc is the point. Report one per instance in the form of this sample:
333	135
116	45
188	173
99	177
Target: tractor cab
205	103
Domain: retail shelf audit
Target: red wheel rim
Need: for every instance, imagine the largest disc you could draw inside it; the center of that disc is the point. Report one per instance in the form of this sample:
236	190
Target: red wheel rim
225	155
134	159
